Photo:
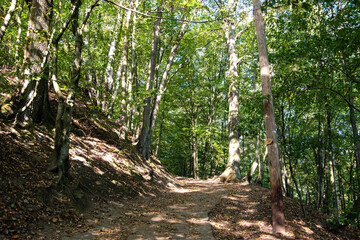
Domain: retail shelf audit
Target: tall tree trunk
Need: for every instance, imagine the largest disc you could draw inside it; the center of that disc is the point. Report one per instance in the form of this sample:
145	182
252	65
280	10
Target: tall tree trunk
355	210
18	36
131	81
65	106
122	73
124	66
7	18
356	140
34	106
278	218
162	88
320	170
333	177
232	171
149	84
195	155
109	71
160	134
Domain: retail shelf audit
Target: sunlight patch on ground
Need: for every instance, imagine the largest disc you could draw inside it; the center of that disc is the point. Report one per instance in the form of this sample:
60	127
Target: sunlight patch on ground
97	170
199	221
161	218
250	211
81	159
220	225
181	190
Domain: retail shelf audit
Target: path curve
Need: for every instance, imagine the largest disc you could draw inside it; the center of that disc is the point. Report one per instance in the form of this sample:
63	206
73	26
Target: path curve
181	213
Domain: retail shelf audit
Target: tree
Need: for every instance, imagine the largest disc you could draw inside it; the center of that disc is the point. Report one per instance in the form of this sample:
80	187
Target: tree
34	106
61	161
7	19
278	220
232	172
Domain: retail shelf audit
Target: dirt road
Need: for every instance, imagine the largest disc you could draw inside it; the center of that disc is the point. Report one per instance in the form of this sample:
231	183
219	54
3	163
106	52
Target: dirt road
181	213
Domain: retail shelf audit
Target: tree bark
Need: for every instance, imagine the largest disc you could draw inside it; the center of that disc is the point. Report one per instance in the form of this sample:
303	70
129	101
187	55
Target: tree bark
122	73
195	155
109	71
333	177
131	81
65	105
278	218
232	171
18	36
149	83
7	19
146	132
34	106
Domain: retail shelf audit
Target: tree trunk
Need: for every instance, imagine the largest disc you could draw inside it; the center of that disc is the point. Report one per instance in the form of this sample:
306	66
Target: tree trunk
195	156
333	177
124	67
34	106
160	133
109	71
65	105
356	206
232	171
131	81
149	83
18	36
122	73
7	18
162	89
278	218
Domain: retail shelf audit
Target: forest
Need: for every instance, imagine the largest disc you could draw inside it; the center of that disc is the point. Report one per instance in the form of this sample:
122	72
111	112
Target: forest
263	92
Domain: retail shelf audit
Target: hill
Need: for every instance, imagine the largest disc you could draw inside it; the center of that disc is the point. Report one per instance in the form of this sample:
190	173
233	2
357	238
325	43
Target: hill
104	168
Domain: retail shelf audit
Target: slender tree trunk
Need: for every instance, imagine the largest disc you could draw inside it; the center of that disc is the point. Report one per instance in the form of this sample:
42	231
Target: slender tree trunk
149	84
7	18
109	71
18	36
124	66
160	133
232	171
333	177
356	144
130	105
162	88
65	105
355	210
195	156
122	73
278	218
320	169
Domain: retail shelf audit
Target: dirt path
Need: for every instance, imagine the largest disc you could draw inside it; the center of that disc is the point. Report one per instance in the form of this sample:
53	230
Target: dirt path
181	213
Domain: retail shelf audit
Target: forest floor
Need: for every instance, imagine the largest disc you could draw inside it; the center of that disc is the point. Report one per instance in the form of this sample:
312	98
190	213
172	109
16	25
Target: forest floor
113	193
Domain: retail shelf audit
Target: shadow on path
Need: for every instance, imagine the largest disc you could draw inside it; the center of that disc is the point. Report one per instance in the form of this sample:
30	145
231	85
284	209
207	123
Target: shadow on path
181	213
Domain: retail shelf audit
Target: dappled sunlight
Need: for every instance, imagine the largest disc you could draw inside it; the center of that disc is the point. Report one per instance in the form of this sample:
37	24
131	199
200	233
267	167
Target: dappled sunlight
200	221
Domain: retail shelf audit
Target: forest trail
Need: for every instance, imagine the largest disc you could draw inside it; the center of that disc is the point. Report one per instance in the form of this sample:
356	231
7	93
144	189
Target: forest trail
202	210
181	213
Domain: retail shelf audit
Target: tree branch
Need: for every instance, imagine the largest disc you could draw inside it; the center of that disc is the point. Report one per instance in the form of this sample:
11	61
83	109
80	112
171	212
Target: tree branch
150	16
337	93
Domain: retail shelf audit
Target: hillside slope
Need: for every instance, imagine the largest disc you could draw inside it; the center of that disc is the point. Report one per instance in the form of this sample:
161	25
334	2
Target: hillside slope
104	169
